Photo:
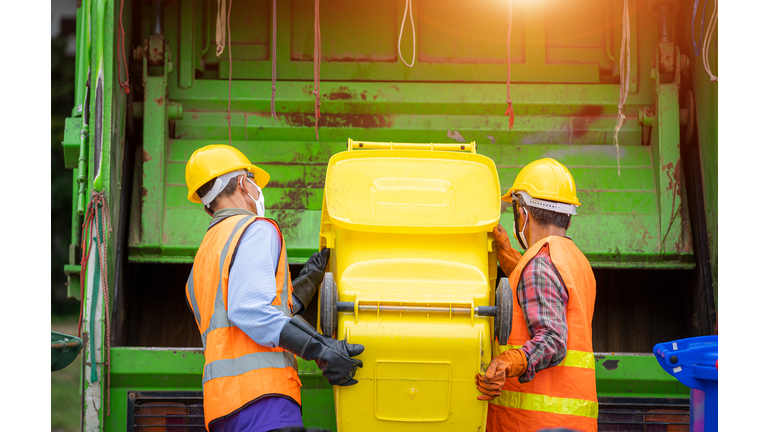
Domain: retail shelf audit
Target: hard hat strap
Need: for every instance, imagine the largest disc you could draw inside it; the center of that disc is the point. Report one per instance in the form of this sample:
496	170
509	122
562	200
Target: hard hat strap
219	185
520	233
557	207
258	203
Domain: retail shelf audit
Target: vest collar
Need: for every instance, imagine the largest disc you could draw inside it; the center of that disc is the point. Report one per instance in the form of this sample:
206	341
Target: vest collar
222	214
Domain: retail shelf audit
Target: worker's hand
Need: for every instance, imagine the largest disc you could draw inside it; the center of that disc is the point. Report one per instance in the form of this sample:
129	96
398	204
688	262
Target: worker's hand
310	277
317	262
512	363
333	357
507	256
337	364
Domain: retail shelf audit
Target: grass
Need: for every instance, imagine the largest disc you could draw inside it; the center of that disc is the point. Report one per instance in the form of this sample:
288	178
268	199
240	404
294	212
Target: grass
65	386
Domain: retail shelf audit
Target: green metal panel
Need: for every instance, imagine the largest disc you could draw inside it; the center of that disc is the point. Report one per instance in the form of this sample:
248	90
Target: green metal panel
622	223
635	375
640	222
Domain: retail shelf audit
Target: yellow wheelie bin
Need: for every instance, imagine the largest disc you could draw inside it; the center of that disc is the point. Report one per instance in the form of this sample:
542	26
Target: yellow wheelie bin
413	278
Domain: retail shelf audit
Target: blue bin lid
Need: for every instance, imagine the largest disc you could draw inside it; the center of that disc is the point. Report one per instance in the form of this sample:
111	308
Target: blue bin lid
691	360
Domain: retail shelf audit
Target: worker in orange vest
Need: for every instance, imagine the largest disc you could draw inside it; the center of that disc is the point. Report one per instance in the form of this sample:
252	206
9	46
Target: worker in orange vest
245	304
545	376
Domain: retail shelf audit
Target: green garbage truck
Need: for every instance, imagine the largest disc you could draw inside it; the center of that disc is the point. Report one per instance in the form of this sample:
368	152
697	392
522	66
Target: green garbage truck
158	79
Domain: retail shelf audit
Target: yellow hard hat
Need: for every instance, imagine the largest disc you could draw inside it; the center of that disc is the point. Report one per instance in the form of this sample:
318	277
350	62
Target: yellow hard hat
545	179
211	161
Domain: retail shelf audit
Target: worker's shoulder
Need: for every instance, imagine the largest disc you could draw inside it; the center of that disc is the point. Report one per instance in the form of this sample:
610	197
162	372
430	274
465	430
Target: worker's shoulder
540	262
261	229
541	257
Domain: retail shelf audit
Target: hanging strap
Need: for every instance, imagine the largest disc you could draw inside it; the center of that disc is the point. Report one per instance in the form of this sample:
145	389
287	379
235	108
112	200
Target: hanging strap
98	217
229	97
624	71
697	48
221	25
317	55
408	10
510	111
274	55
708	40
124	84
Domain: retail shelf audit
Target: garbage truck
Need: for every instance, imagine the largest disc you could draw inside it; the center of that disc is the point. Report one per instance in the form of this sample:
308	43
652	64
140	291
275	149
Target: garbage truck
622	92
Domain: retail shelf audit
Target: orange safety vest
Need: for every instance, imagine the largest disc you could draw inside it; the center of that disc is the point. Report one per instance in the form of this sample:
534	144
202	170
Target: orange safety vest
238	371
564	395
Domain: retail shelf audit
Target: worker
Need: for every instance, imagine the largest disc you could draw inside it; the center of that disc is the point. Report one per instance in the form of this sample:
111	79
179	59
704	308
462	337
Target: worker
245	305
545	376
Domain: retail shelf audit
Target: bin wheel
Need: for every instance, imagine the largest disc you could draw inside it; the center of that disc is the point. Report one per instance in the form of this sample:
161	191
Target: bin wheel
502	323
329	296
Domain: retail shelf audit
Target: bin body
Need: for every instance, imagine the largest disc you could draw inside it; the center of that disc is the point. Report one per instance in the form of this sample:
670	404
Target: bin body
693	362
411	228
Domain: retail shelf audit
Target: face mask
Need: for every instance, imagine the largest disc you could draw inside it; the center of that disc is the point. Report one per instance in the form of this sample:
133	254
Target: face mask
258	203
520	233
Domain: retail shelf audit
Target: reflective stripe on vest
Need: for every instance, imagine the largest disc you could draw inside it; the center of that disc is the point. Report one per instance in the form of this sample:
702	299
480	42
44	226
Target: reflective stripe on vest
550	404
193	299
246	363
283	306
578	359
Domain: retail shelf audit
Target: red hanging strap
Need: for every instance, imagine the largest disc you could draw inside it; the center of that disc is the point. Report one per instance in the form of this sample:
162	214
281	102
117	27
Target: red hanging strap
274	56
124	84
97	216
229	48
510	111
316	91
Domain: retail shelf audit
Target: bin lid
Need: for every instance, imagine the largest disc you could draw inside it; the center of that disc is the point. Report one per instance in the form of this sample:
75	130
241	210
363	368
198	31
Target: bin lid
692	361
419	191
64	350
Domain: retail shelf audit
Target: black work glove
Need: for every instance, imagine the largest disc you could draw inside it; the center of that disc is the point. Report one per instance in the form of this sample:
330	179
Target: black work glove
311	276
333	357
336	363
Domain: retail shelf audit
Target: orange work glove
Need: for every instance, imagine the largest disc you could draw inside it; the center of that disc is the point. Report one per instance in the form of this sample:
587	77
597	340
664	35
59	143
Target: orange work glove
512	363
507	256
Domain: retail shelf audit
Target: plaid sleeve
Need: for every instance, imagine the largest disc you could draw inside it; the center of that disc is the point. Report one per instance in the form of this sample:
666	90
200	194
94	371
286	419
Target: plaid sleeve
543	298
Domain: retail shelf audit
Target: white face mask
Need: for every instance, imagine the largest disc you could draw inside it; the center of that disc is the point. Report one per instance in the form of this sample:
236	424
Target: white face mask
258	203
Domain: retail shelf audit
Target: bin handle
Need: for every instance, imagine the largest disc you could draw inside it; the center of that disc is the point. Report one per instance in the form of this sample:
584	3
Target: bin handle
357	145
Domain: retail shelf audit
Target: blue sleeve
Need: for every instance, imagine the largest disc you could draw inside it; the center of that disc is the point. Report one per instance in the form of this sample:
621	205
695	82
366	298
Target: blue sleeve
252	285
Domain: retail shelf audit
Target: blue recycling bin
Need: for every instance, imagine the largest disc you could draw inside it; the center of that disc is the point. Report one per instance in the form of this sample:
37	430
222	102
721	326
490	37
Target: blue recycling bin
693	362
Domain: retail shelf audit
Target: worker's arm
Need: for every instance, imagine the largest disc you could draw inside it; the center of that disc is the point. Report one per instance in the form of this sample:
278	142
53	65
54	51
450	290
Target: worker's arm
507	256
543	298
252	285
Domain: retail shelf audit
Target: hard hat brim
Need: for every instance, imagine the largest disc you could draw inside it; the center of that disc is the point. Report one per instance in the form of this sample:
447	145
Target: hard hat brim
507	197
